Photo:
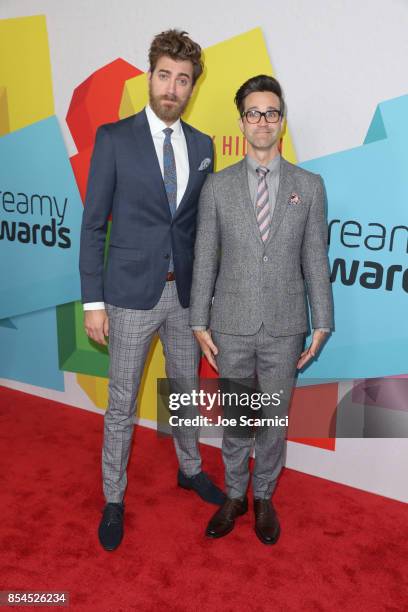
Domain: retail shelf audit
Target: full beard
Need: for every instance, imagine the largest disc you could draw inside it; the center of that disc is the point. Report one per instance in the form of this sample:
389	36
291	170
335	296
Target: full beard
167	113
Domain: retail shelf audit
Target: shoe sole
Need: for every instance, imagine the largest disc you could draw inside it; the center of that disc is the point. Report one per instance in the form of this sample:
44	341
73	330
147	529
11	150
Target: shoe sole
214	536
267	542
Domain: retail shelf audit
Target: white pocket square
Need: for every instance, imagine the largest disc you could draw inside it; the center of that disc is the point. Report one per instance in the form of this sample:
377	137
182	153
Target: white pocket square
204	164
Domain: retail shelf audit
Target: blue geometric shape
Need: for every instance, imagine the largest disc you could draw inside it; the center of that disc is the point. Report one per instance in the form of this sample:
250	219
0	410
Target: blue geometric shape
30	352
376	131
40	218
7	323
367	192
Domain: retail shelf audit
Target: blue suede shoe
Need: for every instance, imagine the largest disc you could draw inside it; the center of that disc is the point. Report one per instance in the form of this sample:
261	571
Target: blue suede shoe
203	486
110	530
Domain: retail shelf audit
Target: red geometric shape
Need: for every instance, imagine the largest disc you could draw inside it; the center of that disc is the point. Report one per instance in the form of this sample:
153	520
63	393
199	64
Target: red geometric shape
205	370
94	102
312	416
97	101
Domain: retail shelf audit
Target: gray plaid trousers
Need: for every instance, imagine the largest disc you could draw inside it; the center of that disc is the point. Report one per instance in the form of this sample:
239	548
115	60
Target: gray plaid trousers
130	335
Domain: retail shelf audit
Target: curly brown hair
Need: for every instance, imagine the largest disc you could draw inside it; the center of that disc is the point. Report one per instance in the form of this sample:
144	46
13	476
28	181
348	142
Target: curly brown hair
178	46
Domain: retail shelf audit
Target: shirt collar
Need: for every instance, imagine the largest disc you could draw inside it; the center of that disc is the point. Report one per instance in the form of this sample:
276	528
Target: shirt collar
157	126
273	166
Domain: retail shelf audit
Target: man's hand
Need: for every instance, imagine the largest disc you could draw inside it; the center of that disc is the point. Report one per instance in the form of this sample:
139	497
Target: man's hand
96	325
318	339
207	346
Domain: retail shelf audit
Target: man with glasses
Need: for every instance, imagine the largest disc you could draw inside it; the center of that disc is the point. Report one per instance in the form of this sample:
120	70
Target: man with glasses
260	257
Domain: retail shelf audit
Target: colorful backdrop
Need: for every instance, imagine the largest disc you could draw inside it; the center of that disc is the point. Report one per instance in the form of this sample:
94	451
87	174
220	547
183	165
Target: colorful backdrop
63	72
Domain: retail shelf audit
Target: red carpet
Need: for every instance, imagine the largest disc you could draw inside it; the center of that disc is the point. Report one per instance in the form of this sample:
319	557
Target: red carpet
340	549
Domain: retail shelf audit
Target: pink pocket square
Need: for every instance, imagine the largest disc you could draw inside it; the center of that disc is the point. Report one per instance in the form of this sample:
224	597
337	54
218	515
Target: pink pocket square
294	198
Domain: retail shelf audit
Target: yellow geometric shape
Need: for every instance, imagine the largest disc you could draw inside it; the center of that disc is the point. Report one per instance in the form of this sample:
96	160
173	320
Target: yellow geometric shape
4	118
212	110
134	89
25	70
96	388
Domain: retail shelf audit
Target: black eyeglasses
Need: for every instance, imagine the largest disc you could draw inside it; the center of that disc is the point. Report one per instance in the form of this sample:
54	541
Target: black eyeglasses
254	116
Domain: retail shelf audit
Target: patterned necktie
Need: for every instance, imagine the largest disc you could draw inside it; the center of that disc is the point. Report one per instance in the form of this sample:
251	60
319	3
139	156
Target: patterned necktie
263	210
169	171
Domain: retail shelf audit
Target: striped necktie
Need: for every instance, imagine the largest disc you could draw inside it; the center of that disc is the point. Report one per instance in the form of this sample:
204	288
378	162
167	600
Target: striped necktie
262	208
169	171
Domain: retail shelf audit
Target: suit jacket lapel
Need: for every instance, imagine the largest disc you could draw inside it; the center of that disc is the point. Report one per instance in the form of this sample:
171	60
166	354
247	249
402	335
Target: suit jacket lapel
193	162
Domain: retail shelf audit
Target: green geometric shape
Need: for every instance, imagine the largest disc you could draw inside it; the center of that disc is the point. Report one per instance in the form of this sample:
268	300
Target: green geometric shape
77	353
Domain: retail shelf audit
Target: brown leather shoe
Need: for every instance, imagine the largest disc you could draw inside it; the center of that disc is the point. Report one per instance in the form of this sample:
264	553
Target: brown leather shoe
223	520
267	526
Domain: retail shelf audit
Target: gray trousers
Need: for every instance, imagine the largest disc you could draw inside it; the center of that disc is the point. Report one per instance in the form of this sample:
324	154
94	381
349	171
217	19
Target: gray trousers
130	335
272	362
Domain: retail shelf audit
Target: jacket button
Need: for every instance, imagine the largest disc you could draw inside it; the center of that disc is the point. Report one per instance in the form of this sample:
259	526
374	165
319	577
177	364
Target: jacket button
265	258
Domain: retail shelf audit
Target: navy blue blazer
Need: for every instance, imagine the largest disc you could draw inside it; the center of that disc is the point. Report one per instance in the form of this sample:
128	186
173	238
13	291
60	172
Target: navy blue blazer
125	180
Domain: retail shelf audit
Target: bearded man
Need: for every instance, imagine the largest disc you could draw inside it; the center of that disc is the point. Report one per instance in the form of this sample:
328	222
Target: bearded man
147	172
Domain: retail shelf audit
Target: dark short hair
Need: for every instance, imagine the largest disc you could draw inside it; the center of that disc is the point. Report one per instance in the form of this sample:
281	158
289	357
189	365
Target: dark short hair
177	45
262	82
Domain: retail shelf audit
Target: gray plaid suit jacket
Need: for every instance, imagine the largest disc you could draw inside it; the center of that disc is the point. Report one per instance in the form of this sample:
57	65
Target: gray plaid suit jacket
238	281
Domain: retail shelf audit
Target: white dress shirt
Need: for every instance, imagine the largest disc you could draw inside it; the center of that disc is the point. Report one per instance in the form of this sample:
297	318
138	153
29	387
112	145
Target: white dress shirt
179	143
